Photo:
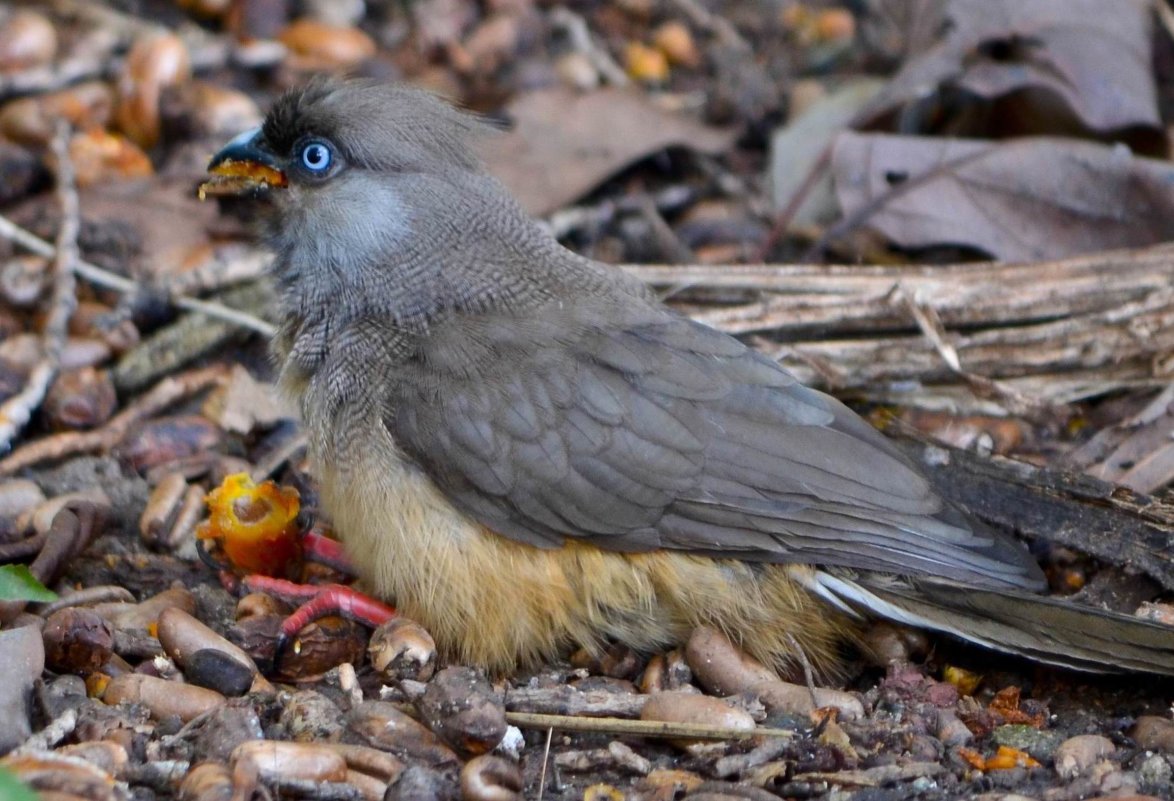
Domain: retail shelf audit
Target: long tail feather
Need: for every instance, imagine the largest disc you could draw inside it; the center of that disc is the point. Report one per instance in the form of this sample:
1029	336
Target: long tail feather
1048	630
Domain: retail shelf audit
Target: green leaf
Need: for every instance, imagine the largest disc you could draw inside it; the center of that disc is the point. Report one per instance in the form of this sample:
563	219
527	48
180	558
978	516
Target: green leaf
18	584
11	788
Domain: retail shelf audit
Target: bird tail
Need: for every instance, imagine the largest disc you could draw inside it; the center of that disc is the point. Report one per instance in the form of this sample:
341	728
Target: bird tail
1048	630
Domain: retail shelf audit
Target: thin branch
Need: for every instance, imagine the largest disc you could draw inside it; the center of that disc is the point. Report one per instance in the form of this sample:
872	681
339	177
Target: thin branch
638	728
166	392
108	280
18	410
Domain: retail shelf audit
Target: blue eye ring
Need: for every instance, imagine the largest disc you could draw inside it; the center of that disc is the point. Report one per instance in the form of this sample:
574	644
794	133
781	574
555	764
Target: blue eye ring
316	157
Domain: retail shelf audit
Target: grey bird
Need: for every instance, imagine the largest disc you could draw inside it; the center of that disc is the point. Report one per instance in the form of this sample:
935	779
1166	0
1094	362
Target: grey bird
523	449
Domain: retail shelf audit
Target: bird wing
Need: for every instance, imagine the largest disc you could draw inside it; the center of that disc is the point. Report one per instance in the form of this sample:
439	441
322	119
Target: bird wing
652	431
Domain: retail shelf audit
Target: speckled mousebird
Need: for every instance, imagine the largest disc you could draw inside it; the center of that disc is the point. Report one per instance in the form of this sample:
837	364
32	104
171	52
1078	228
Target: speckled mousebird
525	450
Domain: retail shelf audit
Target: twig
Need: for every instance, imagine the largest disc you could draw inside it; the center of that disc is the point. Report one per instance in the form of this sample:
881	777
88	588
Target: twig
782	221
545	763
932	328
58	729
18	410
638	728
108	280
580	36
162	395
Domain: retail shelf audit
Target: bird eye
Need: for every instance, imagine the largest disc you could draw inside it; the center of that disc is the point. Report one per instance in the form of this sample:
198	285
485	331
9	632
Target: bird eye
316	157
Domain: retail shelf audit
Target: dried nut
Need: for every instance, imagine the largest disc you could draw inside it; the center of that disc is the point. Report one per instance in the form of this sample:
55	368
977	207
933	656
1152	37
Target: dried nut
100	157
22	280
317	46
198	110
369	761
493	42
646	64
77	640
1078	754
17	496
887	643
461	706
109	756
834	25
47	772
182	636
387	728
401	649
676	42
576	71
269	759
79	399
145	614
162	507
27	39
259	604
166	439
163	698
491	778
1153	733
218	671
722	669
682	707
210	781
154	62
30	120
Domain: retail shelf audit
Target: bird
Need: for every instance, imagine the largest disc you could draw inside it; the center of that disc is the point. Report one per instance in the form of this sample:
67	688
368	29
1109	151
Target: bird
526	451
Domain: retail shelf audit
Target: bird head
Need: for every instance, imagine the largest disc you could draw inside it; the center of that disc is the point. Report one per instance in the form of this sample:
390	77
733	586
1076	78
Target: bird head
375	199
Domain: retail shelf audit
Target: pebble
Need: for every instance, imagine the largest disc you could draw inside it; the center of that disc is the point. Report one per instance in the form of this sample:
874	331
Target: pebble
22	658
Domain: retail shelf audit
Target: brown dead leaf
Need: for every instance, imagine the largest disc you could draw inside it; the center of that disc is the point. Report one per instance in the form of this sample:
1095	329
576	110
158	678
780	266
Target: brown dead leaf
1006	705
1028	199
565	143
244	403
1096	63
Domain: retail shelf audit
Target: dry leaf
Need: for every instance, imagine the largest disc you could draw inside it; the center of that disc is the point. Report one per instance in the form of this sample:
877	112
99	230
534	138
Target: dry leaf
565	143
1034	198
1098	64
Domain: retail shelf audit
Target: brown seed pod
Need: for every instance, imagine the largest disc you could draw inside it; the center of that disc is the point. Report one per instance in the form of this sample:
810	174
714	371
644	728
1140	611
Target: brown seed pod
163	698
681	707
267	759
723	669
79	399
99	157
460	705
167	439
154	62
27	39
491	778
210	781
387	728
314	45
162	507
402	649
48	772
77	641
183	636
30	120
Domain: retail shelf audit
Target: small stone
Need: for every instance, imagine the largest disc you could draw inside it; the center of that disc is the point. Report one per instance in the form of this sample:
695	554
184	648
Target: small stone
1039	744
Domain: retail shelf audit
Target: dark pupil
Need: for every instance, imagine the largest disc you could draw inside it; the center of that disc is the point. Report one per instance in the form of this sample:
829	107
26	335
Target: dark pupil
315	157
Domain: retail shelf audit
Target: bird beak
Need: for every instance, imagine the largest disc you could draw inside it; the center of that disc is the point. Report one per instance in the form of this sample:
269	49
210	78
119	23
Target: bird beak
242	167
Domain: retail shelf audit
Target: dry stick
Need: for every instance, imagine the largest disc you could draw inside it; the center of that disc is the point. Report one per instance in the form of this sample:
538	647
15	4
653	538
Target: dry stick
18	410
108	280
166	392
545	763
638	728
783	220
932	328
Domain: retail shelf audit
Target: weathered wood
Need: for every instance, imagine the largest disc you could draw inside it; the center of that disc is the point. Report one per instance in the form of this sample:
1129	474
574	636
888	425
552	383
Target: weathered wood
1113	524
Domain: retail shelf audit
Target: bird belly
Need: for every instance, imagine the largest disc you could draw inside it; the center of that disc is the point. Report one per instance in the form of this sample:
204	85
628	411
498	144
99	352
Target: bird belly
496	603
